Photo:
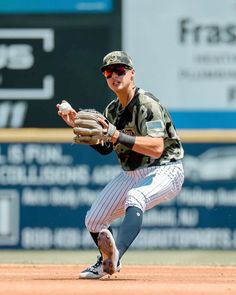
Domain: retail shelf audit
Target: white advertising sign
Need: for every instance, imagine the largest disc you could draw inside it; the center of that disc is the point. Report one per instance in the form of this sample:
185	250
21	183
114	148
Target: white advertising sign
9	217
184	51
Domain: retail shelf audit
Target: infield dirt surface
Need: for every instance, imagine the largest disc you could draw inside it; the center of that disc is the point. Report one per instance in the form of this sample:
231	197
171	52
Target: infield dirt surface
19	279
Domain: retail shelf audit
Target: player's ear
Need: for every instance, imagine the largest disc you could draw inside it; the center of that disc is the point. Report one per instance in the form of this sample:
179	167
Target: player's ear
132	74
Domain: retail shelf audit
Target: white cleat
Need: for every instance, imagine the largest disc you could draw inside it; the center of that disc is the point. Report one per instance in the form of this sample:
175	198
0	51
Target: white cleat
94	271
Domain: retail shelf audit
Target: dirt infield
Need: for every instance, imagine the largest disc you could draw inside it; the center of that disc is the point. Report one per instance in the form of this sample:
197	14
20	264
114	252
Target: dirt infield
169	280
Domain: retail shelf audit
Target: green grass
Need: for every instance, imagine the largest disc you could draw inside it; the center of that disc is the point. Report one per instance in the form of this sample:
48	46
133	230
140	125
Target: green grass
157	257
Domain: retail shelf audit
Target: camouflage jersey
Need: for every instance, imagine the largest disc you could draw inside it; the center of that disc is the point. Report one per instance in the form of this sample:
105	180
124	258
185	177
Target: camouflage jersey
144	115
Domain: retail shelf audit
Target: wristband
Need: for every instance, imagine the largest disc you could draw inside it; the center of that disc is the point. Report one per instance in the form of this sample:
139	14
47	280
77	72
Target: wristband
126	140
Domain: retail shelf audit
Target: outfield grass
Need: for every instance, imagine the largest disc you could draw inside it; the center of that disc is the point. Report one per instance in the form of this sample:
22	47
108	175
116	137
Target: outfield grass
157	257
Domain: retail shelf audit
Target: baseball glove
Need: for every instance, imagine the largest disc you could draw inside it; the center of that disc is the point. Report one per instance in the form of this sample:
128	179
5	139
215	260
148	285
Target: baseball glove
91	127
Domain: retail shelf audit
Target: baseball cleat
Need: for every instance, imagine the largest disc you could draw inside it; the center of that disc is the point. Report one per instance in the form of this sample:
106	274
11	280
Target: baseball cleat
94	271
110	254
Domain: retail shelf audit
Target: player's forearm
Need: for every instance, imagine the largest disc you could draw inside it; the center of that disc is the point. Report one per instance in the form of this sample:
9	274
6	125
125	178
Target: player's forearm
149	146
145	145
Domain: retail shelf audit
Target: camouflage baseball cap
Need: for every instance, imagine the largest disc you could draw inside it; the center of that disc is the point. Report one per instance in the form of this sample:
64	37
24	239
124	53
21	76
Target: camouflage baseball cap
117	57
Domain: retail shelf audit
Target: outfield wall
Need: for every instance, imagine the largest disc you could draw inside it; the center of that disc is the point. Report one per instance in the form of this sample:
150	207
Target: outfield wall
47	185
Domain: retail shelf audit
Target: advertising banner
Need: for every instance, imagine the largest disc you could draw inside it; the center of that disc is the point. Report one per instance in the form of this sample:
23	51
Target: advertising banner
59	6
185	54
47	188
47	56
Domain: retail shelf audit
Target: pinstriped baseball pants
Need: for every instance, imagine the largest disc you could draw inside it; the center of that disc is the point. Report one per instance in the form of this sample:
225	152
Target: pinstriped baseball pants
143	188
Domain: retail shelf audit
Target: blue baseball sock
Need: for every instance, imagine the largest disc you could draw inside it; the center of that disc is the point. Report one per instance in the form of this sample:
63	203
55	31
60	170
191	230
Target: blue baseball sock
129	229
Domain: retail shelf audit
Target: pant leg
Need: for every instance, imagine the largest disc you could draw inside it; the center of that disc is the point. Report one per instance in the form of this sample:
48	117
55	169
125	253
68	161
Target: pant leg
161	184
110	203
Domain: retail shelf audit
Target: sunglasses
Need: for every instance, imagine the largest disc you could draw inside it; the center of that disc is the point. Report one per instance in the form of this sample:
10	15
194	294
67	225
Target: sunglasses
119	70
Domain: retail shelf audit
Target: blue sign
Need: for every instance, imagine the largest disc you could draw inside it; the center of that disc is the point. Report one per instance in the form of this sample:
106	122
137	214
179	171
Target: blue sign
56	6
47	188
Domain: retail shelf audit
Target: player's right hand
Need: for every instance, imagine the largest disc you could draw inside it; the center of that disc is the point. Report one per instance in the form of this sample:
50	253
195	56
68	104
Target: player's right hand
68	118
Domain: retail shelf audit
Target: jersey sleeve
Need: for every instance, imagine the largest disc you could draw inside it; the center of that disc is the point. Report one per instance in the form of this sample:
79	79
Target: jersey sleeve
151	119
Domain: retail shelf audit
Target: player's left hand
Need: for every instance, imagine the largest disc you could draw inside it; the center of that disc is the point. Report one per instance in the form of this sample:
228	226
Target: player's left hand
91	127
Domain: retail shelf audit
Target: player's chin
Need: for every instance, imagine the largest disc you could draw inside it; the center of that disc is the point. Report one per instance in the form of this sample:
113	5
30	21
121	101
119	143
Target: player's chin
117	86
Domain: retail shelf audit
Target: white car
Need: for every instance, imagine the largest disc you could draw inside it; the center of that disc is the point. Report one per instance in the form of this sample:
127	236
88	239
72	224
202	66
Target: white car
217	163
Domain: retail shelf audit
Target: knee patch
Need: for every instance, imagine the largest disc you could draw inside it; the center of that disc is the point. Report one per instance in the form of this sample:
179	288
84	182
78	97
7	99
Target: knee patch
135	198
94	224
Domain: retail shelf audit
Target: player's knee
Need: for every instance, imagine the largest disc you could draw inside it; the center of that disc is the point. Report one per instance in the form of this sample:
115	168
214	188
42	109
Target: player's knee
92	224
135	199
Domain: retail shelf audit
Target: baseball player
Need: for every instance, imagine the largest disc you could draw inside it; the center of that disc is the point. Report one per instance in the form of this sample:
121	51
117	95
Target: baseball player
138	128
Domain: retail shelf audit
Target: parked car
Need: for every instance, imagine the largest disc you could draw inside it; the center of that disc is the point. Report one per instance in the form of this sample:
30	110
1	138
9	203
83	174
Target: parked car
218	163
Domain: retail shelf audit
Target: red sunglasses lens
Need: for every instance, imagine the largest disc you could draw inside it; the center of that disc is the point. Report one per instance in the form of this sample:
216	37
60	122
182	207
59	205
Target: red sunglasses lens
107	73
120	71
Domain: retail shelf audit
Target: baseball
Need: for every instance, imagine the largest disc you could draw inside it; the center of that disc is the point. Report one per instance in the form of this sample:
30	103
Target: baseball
65	108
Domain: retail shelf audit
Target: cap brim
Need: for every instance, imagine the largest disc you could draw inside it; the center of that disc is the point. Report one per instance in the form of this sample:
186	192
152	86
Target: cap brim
102	68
